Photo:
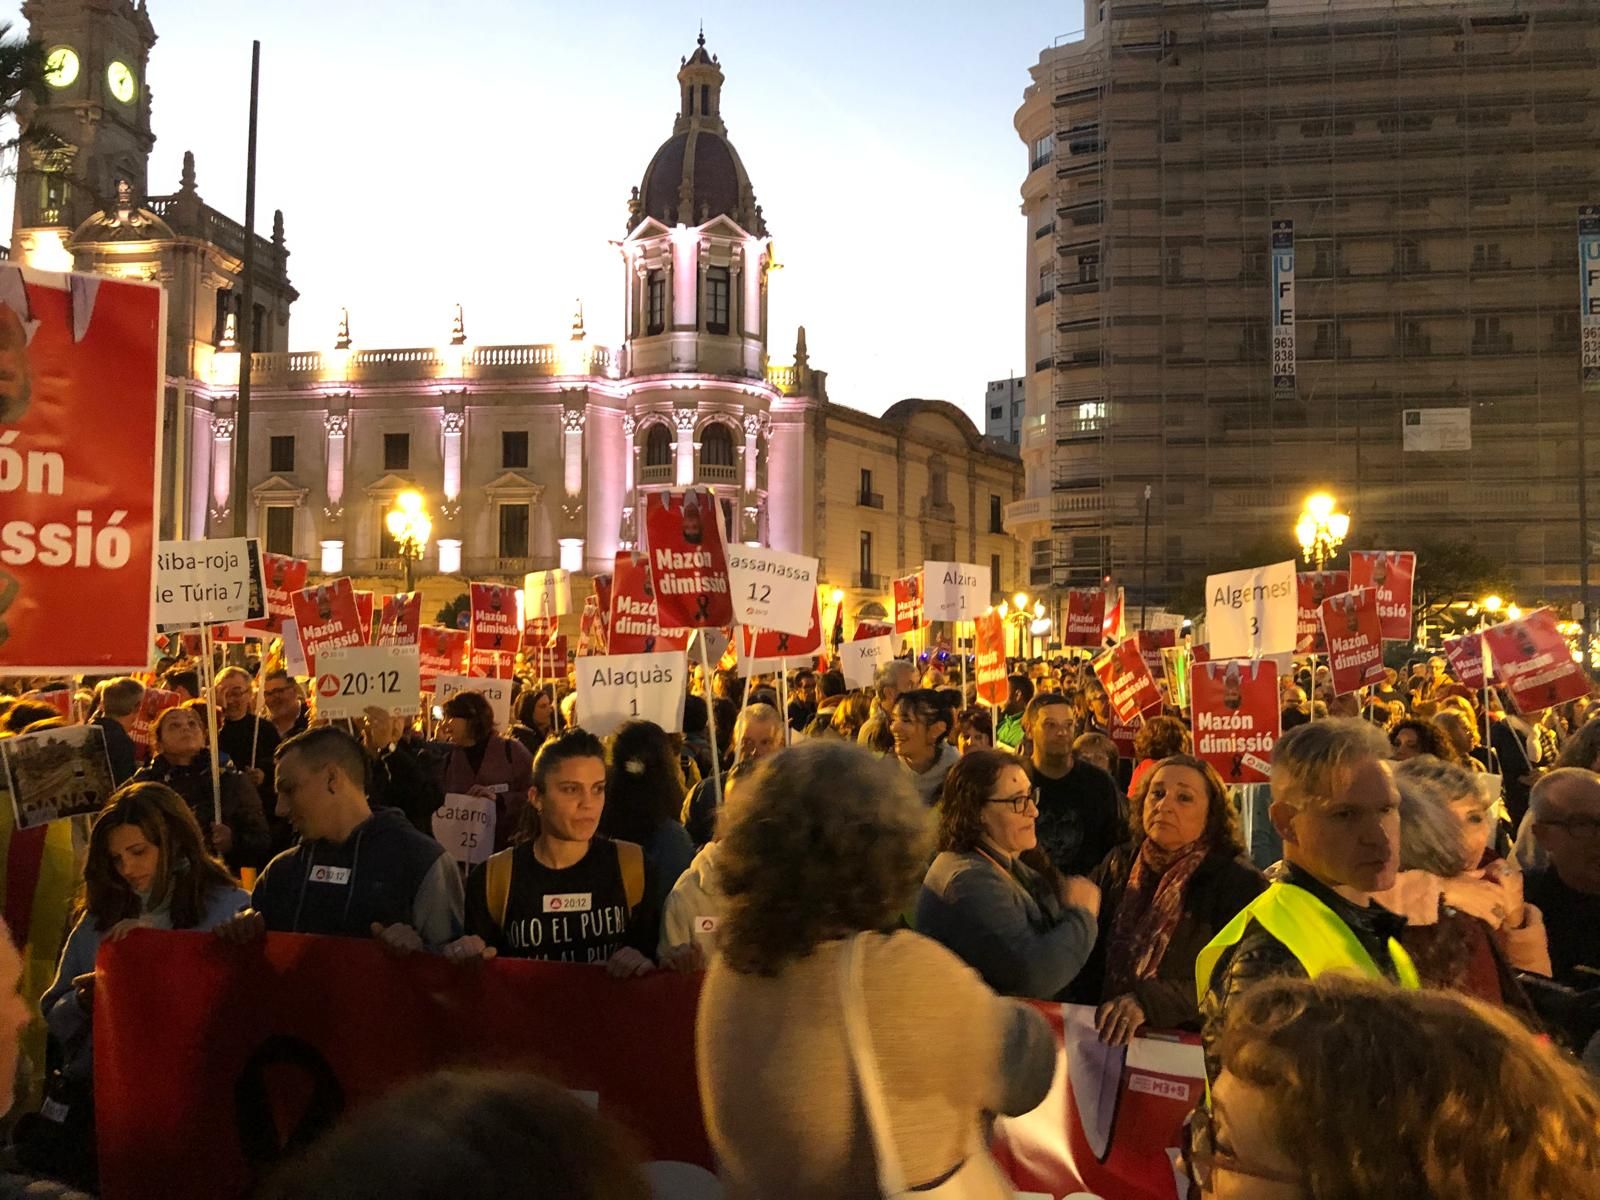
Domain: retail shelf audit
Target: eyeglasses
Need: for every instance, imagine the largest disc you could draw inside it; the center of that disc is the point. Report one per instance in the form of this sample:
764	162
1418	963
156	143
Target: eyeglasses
1581	828
1019	803
1201	1159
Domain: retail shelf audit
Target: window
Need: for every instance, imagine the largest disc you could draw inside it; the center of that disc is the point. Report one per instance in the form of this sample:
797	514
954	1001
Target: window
513	531
868	498
996	525
866	554
258	328
1174	264
1043	151
938	482
388	548
225	305
656	302
397	452
1407	256
282	454
280	529
1092	410
866	481
1088	268
716	299
513	449
658	446
716	446
1564	332
996	413
1047	283
994	572
1045	230
1485	255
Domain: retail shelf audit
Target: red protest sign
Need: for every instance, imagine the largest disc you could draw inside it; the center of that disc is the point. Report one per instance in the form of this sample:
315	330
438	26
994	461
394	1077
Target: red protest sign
440	651
870	629
496	623
1152	642
152	704
491	664
1465	655
1114	627
1354	637
283	577
1391	574
80	393
1314	587
688	564
1534	661
989	658
537	633
1236	717
400	619
366	605
1127	680
909	612
1086	618
635	624
770	647
326	617
550	660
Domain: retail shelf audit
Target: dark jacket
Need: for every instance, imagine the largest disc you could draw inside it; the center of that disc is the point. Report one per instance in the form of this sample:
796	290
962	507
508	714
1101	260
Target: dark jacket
505	769
400	780
1220	887
119	749
384	872
241	805
1257	955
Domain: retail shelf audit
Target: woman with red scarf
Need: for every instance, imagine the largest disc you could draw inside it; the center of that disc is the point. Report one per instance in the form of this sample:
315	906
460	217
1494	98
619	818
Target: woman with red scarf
1166	895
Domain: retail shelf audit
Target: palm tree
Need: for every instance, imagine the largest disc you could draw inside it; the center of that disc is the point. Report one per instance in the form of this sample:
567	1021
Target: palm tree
22	71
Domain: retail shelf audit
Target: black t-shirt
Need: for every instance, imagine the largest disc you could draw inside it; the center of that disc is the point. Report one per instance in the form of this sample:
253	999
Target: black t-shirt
1571	923
578	914
1080	817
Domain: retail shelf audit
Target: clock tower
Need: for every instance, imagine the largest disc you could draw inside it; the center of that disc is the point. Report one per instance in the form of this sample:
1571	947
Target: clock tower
92	124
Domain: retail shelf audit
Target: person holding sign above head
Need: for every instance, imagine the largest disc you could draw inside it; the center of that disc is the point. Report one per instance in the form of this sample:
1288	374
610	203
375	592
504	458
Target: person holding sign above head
1080	810
183	764
484	764
921	727
568	894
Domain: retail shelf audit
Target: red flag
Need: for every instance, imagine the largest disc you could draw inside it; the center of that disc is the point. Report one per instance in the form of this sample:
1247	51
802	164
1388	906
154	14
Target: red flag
909	612
989	658
1354	635
495	618
688	564
1465	654
1391	573
400	619
1236	717
1314	587
1086	618
327	617
1127	680
1116	625
1535	662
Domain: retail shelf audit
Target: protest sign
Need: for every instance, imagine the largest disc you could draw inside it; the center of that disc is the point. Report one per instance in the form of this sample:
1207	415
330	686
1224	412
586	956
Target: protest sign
537	633
1236	717
708	645
1177	663
351	679
81	390
496	623
989	658
327	617
909	613
152	704
1535	662
634	626
496	691
1086	616
282	578
400	619
1466	655
1391	573
56	773
491	664
871	629
1127	680
1354	636
366	606
294	654
1252	613
1115	626
687	562
614	688
547	594
954	591
1311	589
860	660
202	582
771	589
551	662
1152	642
464	826
766	650
441	651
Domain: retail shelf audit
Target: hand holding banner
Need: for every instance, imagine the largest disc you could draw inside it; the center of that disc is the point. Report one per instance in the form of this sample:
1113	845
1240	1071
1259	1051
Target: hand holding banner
1466	655
1237	717
441	651
616	688
1251	613
771	589
1355	639
327	618
909	612
1086	615
400	620
496	623
1312	588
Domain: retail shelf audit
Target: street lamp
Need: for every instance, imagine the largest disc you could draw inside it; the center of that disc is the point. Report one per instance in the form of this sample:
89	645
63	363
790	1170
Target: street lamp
1024	617
1321	529
410	527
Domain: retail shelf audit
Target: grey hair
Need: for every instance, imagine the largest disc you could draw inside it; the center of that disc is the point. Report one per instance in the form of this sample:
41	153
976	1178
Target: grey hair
889	675
1539	797
1430	832
1309	757
120	697
759	713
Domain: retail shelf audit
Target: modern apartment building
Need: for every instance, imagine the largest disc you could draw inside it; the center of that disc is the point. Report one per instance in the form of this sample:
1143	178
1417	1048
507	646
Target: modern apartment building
1003	408
1423	163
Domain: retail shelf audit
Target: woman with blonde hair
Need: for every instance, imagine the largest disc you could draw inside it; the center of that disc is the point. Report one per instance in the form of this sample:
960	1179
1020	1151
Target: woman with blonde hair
851	714
1339	1089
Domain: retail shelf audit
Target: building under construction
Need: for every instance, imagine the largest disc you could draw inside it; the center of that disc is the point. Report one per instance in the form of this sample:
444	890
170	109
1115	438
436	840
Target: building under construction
1423	165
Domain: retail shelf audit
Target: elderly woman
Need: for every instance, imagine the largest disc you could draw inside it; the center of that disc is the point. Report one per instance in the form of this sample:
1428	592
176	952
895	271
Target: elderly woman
1167	893
822	855
486	765
991	896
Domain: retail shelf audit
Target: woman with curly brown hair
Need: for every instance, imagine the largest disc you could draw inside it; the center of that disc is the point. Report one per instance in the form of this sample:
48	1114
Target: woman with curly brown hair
1419	735
809	1008
1338	1089
1158	738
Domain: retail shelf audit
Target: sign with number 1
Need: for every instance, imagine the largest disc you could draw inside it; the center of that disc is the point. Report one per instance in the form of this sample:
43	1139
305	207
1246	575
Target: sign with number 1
613	688
954	591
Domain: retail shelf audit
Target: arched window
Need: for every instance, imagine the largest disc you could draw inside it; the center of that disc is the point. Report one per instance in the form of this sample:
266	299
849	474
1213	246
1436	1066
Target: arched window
716	446
658	446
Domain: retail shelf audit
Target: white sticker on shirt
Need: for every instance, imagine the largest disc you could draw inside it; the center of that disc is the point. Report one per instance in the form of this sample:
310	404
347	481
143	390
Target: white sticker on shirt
569	902
339	876
705	924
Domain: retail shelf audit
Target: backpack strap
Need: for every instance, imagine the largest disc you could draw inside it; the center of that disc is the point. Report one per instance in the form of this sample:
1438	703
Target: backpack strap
630	857
497	885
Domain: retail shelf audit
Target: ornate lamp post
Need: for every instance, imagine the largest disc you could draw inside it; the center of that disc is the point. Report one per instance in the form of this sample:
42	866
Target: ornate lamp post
1019	612
410	526
1321	529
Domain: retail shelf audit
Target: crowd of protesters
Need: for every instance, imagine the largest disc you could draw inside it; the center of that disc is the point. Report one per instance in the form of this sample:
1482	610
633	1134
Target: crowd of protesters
1417	903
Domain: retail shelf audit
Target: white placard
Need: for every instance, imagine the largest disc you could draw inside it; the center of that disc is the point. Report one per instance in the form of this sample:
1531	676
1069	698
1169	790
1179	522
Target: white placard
352	679
772	589
954	591
464	826
547	593
1432	430
613	688
202	582
860	660
1252	613
716	646
496	691
294	654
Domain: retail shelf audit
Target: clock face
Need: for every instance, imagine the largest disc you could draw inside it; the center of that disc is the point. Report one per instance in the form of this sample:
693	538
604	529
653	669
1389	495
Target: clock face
121	81
61	67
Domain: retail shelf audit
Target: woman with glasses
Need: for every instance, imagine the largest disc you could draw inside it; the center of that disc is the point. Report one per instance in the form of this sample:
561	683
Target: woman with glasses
992	897
1344	1089
1166	894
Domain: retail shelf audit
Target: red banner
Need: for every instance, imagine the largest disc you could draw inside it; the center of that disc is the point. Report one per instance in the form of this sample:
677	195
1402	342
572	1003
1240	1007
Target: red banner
1465	654
326	617
496	622
1151	643
80	388
687	561
989	658
870	629
400	619
1391	573
440	651
537	633
284	577
1086	618
766	645
491	664
1315	587
1236	717
635	624
548	661
909	612
187	1095
1535	662
1354	636
1115	626
1127	680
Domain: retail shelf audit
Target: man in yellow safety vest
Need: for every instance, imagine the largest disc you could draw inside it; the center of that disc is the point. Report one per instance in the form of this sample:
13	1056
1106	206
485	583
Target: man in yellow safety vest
1336	807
